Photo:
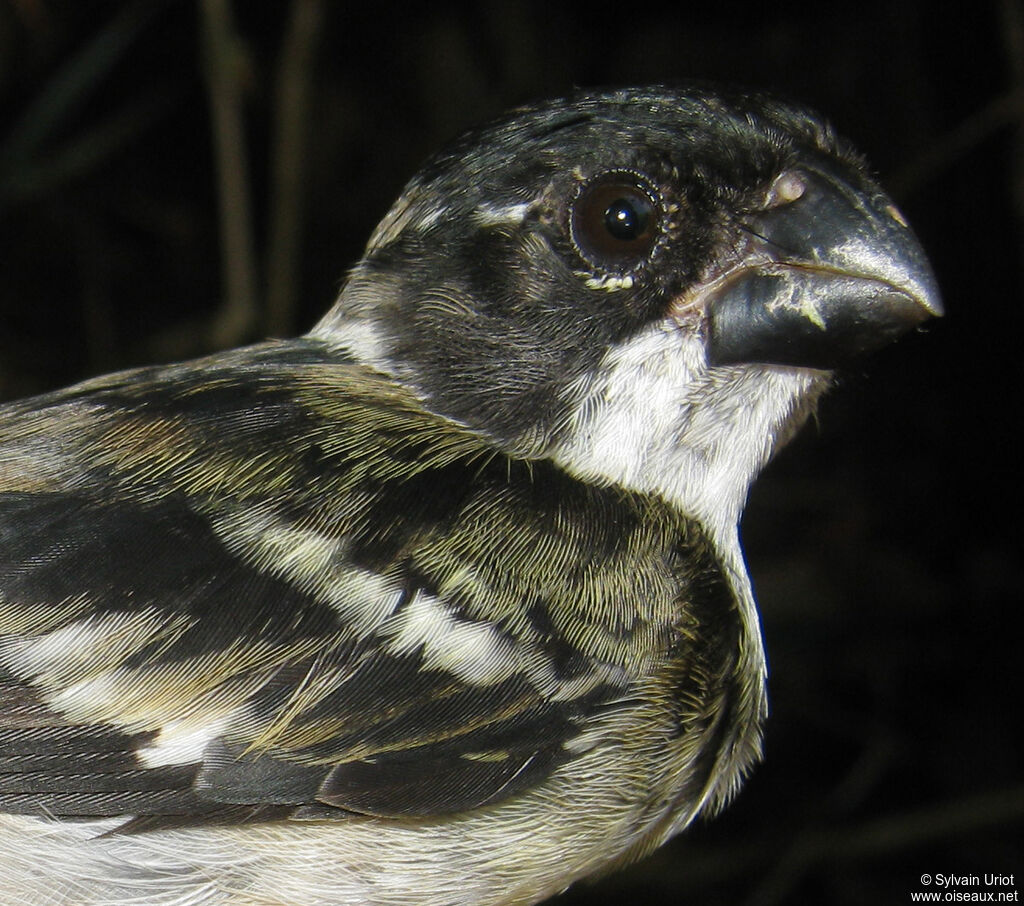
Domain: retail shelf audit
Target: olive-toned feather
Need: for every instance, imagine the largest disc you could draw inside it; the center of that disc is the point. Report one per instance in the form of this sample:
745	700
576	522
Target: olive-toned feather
277	616
443	603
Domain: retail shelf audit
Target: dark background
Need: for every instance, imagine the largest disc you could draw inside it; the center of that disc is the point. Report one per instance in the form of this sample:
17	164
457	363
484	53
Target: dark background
883	542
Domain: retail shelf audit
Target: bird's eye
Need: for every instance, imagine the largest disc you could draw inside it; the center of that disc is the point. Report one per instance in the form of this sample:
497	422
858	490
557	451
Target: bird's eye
615	221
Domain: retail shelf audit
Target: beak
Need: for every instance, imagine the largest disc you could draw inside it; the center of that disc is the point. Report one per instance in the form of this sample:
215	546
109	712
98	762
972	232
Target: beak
830	271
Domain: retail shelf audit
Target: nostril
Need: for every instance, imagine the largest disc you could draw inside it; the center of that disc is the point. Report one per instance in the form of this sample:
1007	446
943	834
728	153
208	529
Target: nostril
895	214
787	188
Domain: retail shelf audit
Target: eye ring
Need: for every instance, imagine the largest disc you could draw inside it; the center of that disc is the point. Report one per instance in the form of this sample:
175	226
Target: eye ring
615	220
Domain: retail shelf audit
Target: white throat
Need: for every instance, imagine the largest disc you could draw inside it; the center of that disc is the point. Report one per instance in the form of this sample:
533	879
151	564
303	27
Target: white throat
654	418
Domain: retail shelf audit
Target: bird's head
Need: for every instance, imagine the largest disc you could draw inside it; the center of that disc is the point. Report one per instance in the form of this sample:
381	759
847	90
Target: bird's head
649	286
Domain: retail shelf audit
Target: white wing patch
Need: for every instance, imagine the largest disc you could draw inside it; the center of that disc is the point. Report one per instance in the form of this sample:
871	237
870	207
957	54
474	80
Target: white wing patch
474	651
88	647
181	742
313	562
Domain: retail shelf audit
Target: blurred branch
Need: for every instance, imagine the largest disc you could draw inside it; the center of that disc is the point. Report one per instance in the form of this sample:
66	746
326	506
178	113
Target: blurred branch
999	113
880	838
73	82
1013	37
26	169
885	836
23	180
289	156
237	315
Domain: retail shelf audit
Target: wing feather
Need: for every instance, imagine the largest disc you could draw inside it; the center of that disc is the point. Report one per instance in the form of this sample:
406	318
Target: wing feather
267	580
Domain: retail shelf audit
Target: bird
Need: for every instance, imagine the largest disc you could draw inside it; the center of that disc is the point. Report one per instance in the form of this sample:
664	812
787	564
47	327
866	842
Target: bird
442	602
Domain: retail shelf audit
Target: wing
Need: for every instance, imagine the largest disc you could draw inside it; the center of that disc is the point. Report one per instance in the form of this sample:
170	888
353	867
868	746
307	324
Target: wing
269	584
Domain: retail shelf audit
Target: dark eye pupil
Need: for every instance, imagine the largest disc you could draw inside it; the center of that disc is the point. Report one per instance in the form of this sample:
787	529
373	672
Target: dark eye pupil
615	221
624	221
